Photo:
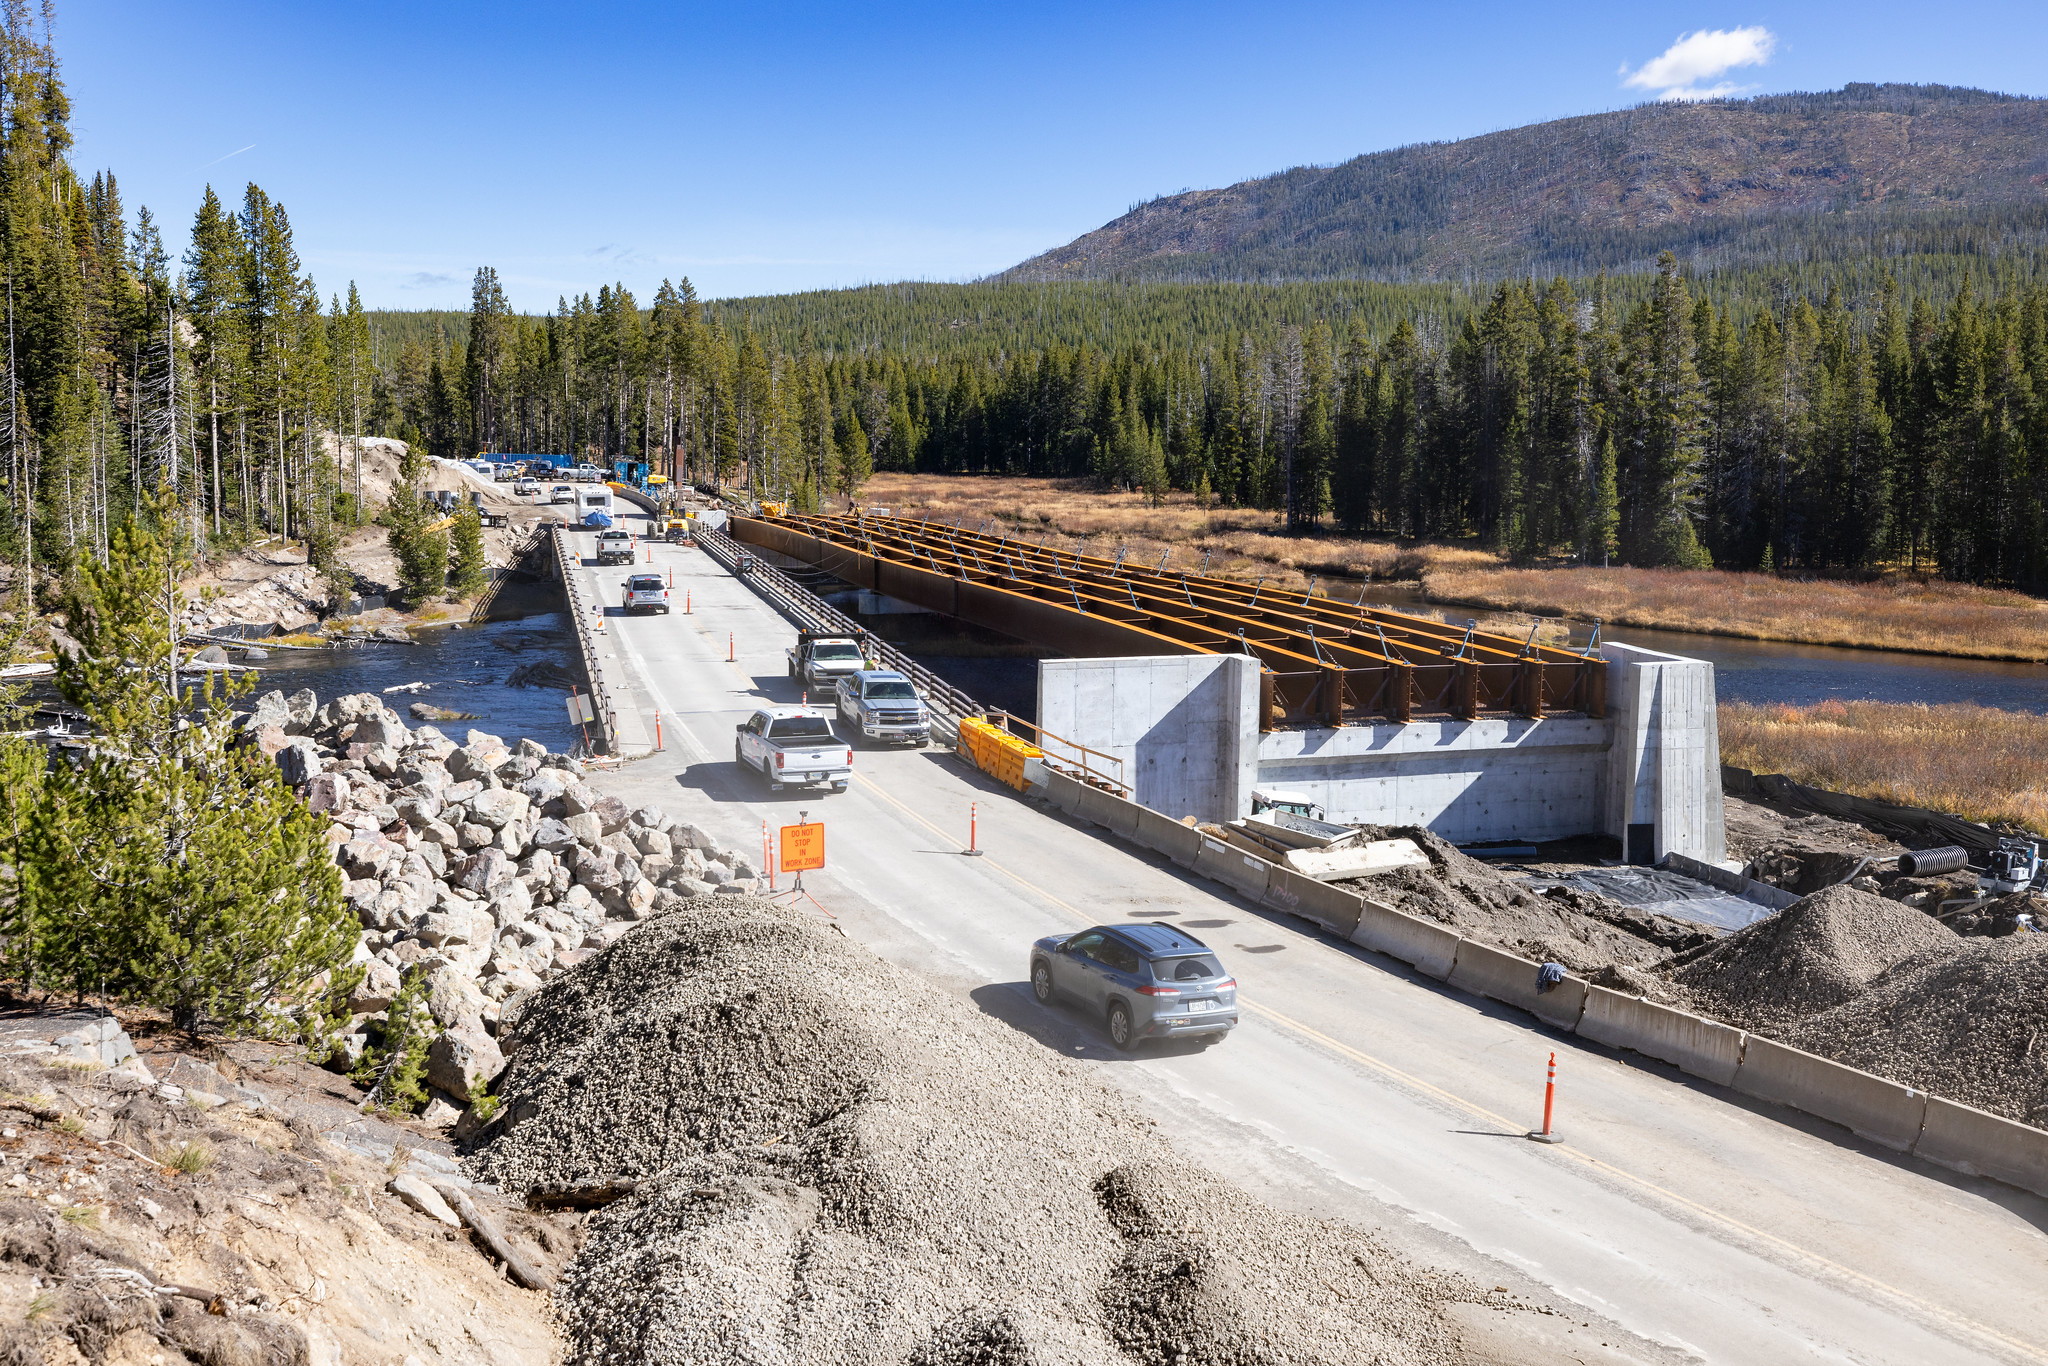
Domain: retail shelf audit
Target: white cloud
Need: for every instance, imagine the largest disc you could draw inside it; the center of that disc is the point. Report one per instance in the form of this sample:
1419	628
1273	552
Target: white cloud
1701	56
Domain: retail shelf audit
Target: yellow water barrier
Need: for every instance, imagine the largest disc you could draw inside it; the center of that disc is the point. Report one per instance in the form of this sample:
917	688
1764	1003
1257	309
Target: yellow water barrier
995	751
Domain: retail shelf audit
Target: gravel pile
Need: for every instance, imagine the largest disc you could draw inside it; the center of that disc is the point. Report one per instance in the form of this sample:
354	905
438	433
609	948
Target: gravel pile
834	1161
1582	930
1967	1021
1812	956
487	867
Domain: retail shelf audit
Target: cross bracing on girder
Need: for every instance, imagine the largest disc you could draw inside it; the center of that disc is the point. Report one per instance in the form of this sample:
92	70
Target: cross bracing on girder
1324	661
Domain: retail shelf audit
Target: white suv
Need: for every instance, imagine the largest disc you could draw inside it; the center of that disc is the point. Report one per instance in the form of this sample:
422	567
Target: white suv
646	593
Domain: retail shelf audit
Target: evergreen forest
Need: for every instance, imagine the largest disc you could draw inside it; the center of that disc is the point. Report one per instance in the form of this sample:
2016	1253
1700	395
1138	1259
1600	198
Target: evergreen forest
1812	412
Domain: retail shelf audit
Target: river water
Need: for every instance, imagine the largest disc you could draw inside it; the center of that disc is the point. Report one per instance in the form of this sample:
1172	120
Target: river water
467	666
1765	671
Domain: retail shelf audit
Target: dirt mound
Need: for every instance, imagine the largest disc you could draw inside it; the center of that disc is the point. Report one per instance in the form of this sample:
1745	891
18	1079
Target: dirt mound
1969	1024
840	1163
1581	930
1810	957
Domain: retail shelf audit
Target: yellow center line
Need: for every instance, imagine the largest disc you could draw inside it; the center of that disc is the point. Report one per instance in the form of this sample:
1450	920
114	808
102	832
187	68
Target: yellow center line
1409	1079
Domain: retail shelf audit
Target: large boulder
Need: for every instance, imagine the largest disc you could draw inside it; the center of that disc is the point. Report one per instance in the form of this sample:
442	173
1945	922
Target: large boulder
692	837
301	707
498	807
531	749
327	792
483	743
462	1062
486	870
511	903
382	729
553	836
587	828
596	872
453	999
652	842
578	798
271	709
467	765
347	711
299	762
377	990
545	786
612	812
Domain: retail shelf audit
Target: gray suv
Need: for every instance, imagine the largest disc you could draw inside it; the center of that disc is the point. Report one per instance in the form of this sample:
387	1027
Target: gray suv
1145	981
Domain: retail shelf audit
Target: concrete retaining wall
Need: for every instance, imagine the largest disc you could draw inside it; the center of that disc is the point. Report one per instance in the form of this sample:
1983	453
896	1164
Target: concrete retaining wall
1882	1111
1185	726
1501	976
1169	837
1704	1048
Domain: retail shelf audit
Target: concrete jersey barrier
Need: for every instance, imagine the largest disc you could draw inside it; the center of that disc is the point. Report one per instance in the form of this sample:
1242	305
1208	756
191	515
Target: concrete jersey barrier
1429	948
1694	1045
1969	1140
1882	1111
1501	976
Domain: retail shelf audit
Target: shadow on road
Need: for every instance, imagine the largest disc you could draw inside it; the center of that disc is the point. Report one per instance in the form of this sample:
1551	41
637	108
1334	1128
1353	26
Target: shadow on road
1065	1028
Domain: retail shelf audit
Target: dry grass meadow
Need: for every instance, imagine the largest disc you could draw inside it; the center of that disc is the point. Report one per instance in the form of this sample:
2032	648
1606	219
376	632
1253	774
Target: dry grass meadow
1976	762
1927	618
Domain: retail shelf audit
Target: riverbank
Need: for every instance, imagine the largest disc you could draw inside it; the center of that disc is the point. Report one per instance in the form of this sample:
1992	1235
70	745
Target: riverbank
1919	618
1975	762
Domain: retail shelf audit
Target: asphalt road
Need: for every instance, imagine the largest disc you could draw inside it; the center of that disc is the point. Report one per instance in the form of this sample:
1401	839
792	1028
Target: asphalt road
1703	1225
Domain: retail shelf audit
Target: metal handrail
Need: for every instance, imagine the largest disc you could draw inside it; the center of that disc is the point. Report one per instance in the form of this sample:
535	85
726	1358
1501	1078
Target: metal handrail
585	645
1046	738
807	610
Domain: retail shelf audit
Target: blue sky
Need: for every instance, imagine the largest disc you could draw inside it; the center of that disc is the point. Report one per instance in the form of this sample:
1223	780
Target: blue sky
774	148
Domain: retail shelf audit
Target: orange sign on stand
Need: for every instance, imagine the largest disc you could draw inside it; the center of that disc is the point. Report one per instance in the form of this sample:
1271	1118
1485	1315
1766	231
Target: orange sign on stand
803	848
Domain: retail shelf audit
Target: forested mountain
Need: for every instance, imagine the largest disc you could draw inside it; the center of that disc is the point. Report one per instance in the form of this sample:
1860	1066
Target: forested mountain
1867	170
1828	414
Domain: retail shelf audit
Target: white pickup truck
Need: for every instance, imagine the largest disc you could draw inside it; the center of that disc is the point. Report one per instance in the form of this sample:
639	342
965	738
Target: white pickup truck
793	745
821	660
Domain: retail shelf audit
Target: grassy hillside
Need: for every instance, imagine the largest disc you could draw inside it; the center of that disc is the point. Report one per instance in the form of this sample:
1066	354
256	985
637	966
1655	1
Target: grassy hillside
1865	170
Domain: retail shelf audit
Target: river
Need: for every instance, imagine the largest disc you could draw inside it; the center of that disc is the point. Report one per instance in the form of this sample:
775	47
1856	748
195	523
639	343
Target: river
467	666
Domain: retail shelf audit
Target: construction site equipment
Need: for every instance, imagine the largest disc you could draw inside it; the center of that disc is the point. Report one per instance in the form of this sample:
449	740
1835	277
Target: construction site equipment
996	752
1950	858
1326	663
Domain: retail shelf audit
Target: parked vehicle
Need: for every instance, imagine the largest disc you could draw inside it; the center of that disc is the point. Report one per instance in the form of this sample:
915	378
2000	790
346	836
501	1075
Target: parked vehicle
644	592
524	488
881	704
615	546
587	474
793	745
1281	799
1143	981
821	660
594	507
562	493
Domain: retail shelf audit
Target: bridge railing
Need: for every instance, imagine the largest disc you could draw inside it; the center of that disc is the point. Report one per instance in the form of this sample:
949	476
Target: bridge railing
581	618
806	609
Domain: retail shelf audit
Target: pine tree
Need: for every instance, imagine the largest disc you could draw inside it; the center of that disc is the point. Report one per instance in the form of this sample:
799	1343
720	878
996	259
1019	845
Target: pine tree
856	465
172	865
421	551
466	577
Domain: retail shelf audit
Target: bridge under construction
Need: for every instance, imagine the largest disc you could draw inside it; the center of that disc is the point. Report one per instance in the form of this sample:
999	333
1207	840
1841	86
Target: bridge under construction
1208	688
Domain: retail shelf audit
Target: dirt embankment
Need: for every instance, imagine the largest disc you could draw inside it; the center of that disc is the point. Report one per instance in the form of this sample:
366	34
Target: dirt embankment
818	1157
271	584
235	1208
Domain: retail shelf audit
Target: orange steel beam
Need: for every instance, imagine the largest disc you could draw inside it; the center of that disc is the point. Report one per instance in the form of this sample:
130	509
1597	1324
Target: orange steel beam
1325	661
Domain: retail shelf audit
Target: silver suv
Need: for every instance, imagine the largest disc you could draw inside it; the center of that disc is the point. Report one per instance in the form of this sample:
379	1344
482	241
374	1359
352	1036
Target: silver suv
1144	981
